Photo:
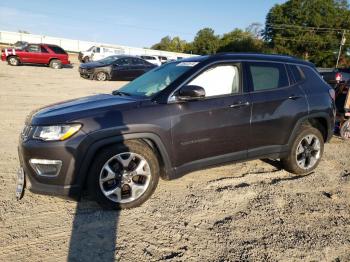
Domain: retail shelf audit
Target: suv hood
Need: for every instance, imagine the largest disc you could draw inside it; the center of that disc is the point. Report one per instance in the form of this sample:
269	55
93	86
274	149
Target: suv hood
76	109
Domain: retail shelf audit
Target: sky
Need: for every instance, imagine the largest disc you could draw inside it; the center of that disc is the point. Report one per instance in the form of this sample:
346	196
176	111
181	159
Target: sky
137	23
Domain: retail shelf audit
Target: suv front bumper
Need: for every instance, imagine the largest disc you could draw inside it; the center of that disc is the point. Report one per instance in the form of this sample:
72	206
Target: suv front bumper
65	183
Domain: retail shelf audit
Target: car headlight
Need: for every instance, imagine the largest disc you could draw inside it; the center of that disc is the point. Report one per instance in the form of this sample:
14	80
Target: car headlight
55	133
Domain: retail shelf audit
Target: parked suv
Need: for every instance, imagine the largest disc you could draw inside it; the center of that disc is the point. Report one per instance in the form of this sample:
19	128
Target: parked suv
47	54
183	116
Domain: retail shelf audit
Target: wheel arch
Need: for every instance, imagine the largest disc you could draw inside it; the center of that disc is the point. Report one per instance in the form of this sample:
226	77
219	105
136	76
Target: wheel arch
321	124
150	139
54	58
16	56
320	121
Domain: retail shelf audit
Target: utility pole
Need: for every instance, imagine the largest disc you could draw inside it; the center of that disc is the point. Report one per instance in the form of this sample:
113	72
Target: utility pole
342	43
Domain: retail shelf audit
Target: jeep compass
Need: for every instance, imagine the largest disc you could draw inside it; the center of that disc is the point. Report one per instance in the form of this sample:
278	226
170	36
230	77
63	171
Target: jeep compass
177	118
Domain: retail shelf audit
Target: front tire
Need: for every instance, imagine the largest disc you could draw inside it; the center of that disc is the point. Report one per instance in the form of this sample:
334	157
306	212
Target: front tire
124	175
101	76
306	151
13	61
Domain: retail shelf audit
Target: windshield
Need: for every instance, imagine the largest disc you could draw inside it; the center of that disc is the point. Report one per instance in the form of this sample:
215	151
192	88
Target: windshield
157	79
108	60
90	49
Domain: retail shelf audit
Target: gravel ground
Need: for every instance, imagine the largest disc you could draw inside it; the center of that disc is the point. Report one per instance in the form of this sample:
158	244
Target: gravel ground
251	211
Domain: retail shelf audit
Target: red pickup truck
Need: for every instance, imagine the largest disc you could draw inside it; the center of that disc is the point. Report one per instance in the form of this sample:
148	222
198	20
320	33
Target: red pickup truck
47	54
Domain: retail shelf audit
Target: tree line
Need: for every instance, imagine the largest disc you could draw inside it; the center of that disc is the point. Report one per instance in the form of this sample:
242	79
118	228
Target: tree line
309	29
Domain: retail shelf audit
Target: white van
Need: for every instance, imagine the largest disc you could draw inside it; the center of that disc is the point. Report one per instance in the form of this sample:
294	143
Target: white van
152	59
95	53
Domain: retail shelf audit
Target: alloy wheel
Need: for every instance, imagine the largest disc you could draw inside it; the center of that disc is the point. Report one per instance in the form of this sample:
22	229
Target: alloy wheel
101	76
308	152
13	61
125	177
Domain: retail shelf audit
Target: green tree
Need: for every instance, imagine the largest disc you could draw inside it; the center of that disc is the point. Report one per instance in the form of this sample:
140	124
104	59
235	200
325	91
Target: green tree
240	41
205	42
255	29
171	44
305	28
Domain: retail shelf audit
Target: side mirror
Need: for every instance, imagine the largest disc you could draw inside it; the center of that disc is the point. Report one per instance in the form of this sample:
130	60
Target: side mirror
191	92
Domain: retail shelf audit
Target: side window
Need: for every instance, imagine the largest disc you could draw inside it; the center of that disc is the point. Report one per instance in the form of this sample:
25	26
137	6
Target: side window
136	61
122	61
219	80
97	50
267	75
297	73
43	49
33	49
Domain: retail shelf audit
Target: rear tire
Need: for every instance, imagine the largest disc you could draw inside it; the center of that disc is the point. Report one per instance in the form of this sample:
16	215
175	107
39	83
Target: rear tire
306	151
115	169
13	61
55	64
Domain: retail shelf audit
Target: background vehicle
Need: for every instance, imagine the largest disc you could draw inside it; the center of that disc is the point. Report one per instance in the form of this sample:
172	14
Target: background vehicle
334	76
151	59
180	117
47	54
342	102
96	53
115	68
20	45
163	59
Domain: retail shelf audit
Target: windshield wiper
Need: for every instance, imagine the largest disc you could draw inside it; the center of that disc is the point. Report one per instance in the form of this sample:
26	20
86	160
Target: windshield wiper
120	93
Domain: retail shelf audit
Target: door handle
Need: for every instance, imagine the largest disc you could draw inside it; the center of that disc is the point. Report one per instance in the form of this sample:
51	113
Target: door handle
294	97
239	104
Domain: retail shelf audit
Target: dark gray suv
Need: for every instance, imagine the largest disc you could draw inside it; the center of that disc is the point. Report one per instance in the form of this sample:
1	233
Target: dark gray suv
182	116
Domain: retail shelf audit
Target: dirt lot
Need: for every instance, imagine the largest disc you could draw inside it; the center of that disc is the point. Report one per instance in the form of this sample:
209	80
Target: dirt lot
241	212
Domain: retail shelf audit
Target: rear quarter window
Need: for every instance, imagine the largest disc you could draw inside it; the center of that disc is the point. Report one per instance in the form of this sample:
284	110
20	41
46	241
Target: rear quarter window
314	82
57	49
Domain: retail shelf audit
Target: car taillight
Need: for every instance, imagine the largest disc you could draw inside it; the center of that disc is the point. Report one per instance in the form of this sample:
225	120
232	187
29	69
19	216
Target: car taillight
332	93
338	77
